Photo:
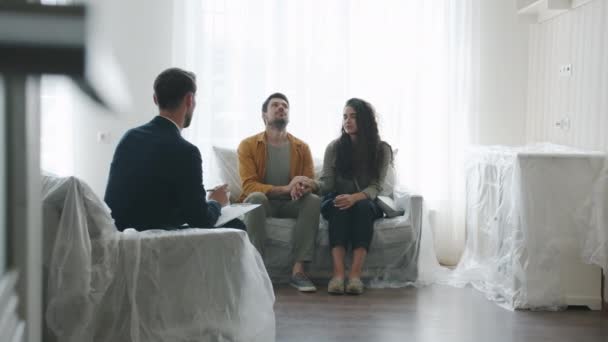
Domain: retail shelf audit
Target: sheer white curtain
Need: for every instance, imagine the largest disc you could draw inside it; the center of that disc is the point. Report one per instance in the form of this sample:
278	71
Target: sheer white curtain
56	119
415	61
56	116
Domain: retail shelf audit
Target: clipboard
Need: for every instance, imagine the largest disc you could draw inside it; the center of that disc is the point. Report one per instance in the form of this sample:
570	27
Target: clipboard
232	211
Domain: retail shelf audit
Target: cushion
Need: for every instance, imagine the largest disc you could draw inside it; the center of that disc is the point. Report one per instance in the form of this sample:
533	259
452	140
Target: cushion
390	181
227	162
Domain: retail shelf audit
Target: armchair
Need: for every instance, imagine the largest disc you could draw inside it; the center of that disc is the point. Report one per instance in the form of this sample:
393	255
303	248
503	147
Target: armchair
183	285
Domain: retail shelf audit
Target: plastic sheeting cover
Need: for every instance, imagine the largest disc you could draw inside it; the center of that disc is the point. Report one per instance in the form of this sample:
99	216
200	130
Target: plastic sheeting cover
593	217
524	209
392	260
397	244
185	285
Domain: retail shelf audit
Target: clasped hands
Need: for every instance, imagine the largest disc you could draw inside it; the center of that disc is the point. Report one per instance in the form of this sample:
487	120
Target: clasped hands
346	201
300	186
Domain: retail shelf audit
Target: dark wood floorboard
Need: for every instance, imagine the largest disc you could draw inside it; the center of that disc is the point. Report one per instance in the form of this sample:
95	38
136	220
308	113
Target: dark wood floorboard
435	313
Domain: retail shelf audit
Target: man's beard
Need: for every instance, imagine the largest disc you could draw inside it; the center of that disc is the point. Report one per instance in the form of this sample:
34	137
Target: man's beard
187	120
279	124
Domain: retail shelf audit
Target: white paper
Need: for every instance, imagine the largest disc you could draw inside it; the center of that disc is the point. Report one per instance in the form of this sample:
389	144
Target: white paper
388	201
389	207
232	211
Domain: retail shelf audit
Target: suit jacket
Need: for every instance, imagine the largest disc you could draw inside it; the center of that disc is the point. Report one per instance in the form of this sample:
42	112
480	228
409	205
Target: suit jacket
156	181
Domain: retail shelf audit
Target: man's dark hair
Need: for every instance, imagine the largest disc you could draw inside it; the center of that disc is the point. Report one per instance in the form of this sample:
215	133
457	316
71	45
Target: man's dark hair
172	85
273	96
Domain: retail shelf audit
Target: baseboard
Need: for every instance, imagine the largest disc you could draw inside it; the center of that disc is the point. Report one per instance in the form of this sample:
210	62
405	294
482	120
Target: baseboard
593	303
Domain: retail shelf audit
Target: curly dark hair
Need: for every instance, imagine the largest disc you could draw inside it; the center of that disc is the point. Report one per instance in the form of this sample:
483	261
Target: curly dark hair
367	150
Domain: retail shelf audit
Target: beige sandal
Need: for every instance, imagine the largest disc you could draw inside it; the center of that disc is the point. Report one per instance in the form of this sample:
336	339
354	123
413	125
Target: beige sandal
354	286
336	286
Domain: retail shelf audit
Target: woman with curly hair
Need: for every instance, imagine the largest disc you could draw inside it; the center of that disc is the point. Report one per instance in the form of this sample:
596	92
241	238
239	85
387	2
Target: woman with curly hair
354	169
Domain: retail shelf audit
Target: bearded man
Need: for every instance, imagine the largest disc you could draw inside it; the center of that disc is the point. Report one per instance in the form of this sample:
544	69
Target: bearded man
276	171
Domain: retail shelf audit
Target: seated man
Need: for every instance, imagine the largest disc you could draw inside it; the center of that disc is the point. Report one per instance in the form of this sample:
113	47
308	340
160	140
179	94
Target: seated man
283	189
156	177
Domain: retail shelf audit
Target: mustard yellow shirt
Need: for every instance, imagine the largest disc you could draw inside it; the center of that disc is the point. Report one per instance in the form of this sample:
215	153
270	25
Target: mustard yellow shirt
252	163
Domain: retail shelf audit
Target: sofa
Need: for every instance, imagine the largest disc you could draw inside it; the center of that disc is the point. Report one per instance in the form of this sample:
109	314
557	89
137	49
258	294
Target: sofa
393	256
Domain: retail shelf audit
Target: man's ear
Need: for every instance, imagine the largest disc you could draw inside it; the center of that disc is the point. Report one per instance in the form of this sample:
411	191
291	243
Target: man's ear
190	99
264	118
155	99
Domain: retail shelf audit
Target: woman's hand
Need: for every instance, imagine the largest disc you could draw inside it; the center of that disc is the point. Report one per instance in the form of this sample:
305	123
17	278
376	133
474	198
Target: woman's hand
300	186
346	201
297	191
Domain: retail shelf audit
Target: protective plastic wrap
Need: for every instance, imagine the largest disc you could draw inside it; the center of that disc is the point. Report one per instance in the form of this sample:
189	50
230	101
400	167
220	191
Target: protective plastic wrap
593	218
393	256
526	244
184	285
396	244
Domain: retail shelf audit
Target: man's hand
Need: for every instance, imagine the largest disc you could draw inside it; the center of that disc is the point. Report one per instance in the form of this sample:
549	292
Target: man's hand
297	187
346	201
298	179
220	194
300	186
299	190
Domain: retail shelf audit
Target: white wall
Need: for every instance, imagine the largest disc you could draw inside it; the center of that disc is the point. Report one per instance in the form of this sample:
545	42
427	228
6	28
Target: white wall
139	33
503	74
580	38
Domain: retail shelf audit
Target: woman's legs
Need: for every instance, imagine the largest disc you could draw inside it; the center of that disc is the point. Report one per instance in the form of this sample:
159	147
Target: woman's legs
352	226
337	254
358	259
338	235
362	229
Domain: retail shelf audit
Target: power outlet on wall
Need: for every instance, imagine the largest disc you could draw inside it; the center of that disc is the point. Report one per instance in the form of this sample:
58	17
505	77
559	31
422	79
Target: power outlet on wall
565	70
563	124
103	137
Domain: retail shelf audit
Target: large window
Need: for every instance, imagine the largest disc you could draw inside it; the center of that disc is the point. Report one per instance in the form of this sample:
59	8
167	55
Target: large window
415	61
56	140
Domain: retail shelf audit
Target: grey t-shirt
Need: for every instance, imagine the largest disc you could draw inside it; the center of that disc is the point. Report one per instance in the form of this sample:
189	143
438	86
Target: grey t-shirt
277	164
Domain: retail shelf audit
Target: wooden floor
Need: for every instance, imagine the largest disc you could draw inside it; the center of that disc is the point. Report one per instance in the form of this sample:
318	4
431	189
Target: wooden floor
435	313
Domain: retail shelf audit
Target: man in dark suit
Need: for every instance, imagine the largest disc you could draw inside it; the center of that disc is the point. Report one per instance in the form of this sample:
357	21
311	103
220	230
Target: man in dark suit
156	177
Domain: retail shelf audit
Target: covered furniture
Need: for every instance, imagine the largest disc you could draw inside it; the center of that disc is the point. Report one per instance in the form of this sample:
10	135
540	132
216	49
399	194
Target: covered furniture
393	257
527	222
182	285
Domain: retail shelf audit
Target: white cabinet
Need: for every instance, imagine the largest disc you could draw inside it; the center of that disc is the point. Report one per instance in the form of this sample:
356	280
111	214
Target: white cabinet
524	230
